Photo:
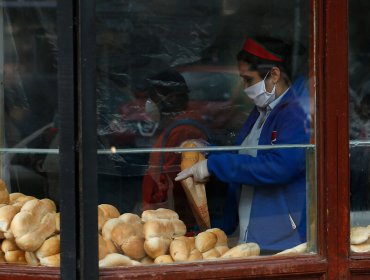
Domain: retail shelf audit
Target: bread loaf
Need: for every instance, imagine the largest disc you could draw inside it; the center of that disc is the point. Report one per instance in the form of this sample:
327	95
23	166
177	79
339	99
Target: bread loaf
32	225
243	250
115	259
4	194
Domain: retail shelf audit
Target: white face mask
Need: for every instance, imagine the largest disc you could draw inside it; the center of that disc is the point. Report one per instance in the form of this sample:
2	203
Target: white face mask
258	93
152	110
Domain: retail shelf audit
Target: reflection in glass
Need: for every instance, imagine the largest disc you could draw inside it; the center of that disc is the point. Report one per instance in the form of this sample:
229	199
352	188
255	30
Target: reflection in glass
359	127
168	74
29	154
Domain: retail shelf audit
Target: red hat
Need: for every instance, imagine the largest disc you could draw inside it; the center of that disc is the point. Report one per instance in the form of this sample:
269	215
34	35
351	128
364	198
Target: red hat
260	51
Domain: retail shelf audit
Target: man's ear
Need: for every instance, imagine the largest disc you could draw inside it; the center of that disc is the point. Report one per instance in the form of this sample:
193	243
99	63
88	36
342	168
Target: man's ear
275	74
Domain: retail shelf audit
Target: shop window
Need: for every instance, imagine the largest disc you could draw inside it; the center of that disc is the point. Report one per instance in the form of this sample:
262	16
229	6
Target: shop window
359	128
171	89
29	128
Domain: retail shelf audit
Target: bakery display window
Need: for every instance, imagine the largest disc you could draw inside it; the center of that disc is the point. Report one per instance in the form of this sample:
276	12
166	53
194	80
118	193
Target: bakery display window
177	91
359	96
29	165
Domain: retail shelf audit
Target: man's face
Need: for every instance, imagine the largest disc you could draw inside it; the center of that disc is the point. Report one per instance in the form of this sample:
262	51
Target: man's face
249	77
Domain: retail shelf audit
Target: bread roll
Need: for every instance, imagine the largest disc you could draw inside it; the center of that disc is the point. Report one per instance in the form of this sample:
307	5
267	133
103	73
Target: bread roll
155	228
14	196
180	249
221	236
105	247
156	246
116	259
4	194
243	250
358	235
21	200
51	246
299	249
147	260
163	259
105	213
160	213
361	248
195	255
211	254
109	226
179	227
31	258
50	205
32	225
222	249
53	260
9	245
205	241
17	256
7	214
57	222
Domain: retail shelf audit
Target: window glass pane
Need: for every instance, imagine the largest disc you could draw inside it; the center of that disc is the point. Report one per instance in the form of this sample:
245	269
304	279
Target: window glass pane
359	127
29	155
173	71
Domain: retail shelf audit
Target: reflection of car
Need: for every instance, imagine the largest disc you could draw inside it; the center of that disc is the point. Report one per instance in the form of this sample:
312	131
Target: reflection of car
215	91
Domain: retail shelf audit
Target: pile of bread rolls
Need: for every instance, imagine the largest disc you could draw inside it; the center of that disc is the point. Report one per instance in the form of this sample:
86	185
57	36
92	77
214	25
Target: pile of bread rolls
30	234
158	237
29	229
360	241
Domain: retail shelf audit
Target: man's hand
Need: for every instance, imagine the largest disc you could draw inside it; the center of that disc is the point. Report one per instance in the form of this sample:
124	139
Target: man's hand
198	171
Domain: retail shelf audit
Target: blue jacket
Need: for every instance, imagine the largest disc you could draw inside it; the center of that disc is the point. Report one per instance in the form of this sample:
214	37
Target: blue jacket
278	213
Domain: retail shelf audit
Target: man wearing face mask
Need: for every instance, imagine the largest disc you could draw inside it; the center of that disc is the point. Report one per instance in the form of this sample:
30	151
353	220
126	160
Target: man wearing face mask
168	105
267	188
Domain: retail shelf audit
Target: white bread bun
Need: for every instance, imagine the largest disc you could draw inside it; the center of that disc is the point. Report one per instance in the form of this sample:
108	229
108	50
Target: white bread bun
105	213
163	259
14	196
7	214
195	255
147	260
105	247
133	247
358	235
51	246
32	225
205	241
179	227
160	213
57	222
17	256
180	249
31	258
50	205
299	249
109	210
211	254
115	259
156	246
155	228
109	226
53	260
221	236
4	194
243	250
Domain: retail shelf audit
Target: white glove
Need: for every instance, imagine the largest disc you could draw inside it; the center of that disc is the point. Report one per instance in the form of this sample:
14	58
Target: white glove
199	171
